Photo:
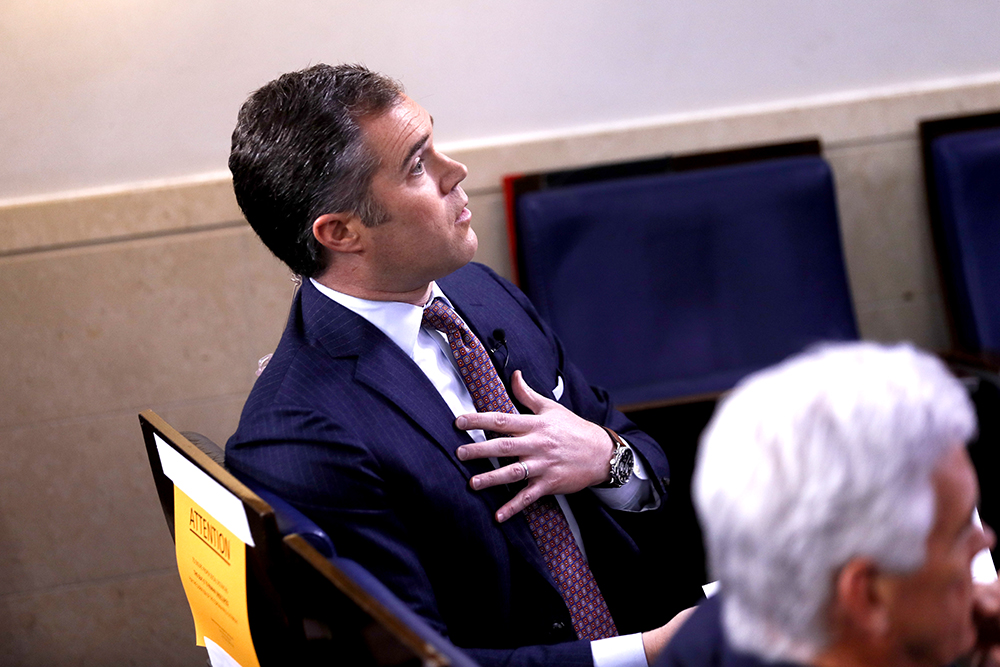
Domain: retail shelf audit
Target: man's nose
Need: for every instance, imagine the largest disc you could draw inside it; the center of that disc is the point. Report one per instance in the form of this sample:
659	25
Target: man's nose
455	173
989	537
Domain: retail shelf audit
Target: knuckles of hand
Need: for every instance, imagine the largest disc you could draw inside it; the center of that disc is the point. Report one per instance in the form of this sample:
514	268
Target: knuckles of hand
502	421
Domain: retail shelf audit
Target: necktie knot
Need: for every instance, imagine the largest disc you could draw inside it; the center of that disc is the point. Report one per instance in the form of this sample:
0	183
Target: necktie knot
474	364
440	316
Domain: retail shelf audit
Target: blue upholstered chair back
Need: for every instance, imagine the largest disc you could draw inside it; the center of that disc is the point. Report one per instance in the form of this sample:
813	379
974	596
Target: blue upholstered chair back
964	178
678	284
292	521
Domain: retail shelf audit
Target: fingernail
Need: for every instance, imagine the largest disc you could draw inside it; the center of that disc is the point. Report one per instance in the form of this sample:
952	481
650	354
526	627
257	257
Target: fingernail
461	422
501	517
476	483
460	453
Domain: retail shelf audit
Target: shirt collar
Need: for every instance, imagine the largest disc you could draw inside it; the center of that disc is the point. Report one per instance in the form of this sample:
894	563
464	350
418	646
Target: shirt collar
397	320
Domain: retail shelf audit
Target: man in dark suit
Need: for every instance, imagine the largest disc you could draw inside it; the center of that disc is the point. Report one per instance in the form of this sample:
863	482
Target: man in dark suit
837	501
400	357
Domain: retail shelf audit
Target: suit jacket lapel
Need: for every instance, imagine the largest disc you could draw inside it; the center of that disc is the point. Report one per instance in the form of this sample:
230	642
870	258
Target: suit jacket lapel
385	368
382	366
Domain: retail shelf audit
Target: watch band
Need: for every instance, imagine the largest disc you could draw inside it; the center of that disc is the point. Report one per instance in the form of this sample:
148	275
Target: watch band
615	438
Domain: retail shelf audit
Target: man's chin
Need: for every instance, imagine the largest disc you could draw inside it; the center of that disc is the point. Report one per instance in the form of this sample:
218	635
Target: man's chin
460	259
959	651
471	247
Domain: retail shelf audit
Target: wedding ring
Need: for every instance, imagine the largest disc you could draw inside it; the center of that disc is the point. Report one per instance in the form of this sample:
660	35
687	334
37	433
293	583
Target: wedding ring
524	466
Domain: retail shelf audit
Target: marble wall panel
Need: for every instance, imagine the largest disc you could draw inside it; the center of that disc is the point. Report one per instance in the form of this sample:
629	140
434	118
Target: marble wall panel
268	292
141	620
920	320
888	246
77	500
96	329
884	219
77	503
215	419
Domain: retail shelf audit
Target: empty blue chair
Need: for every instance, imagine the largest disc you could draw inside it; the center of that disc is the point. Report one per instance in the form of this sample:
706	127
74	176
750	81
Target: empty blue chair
962	164
678	284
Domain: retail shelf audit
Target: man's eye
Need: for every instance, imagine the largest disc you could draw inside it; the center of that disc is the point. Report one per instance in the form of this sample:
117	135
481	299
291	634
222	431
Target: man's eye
418	167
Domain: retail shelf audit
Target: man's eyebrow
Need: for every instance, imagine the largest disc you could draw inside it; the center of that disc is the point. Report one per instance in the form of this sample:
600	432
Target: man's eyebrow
413	151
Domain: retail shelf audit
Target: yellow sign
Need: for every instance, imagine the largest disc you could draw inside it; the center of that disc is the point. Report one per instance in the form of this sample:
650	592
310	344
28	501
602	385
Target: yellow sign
212	565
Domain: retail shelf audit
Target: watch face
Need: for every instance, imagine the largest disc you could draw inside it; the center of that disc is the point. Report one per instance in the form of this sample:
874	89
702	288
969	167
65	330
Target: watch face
623	467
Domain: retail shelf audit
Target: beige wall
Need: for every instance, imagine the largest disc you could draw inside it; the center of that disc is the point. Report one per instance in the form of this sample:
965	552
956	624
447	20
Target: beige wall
161	297
104	92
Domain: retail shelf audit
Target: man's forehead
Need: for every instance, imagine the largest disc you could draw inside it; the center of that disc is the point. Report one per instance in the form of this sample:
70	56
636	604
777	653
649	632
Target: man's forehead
398	133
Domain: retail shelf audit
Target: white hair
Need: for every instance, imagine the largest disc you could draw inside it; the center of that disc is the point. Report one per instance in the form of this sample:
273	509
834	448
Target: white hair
824	457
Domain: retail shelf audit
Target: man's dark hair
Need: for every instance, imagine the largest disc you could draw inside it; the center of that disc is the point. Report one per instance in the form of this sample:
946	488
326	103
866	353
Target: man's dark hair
298	152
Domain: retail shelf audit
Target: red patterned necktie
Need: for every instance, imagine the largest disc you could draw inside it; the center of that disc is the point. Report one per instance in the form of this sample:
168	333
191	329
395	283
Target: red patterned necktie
587	608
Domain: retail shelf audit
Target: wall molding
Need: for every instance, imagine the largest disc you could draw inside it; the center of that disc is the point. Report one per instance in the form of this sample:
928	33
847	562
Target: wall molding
135	211
206	201
838	119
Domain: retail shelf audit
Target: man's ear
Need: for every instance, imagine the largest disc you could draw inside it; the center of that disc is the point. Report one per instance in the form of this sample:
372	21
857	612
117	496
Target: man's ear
338	232
863	598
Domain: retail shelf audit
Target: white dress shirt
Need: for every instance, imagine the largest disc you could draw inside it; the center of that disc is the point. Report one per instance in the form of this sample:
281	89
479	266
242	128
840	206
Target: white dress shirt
430	350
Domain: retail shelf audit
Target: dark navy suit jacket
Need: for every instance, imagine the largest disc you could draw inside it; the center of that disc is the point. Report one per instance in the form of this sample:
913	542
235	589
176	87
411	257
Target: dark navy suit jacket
701	642
344	425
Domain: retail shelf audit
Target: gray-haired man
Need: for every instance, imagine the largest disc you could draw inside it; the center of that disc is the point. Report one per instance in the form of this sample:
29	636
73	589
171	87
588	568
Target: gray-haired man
837	502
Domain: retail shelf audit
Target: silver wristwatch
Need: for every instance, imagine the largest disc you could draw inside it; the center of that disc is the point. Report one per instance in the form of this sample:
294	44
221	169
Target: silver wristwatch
621	462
